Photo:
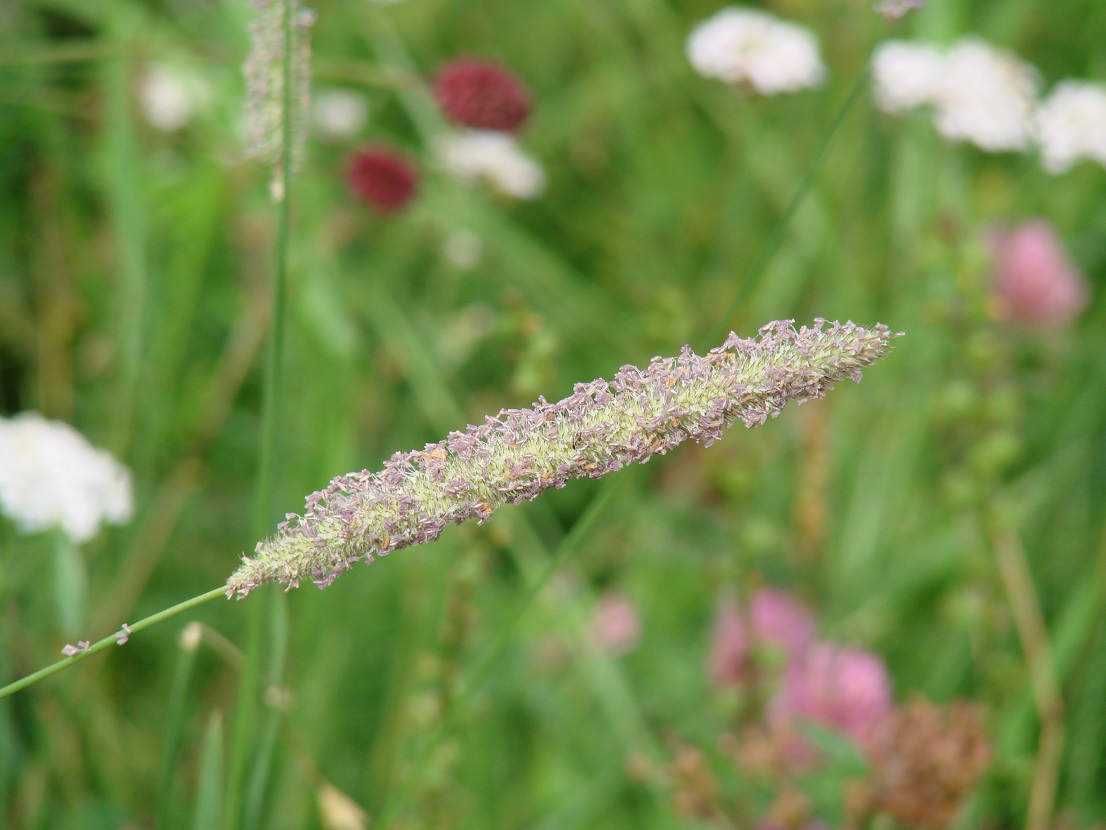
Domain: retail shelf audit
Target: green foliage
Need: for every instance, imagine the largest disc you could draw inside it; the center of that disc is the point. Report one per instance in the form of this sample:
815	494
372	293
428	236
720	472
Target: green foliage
460	684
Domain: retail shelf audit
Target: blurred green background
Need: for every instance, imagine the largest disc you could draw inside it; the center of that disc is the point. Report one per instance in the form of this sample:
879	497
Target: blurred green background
461	685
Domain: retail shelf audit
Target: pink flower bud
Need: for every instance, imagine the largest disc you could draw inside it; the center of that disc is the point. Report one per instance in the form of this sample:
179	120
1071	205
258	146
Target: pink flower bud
616	624
774	619
843	688
1034	282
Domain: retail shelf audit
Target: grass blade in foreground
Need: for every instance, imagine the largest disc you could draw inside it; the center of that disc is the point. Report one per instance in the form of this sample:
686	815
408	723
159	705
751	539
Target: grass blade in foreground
517	455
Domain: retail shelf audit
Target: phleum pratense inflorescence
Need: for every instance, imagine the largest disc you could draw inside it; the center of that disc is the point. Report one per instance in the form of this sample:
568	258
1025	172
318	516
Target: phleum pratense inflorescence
601	427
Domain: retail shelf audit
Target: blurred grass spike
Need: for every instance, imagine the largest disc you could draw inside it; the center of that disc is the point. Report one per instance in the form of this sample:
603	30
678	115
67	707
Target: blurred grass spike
278	90
515	456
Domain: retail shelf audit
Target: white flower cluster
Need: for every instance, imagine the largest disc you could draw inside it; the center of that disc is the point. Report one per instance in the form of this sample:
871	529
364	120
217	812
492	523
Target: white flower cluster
52	477
988	97
754	49
979	94
493	157
1071	124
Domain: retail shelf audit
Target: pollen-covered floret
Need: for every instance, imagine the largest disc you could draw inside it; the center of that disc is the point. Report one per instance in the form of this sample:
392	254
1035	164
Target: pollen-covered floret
518	454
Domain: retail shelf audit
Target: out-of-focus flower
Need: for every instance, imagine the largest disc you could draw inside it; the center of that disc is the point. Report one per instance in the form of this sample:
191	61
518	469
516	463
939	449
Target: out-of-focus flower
892	10
842	688
1071	125
755	49
382	179
481	95
925	759
339	113
987	97
905	75
170	97
979	94
51	477
493	157
616	624
774	619
1034	283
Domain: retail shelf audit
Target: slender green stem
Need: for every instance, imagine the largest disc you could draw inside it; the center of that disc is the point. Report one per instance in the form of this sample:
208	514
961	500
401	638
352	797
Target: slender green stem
265	615
111	640
775	239
459	706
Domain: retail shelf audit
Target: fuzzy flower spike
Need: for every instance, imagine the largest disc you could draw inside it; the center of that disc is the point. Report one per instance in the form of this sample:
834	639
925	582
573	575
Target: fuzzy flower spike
599	428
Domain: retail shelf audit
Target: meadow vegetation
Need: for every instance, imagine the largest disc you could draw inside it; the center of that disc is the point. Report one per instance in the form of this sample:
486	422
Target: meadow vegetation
883	609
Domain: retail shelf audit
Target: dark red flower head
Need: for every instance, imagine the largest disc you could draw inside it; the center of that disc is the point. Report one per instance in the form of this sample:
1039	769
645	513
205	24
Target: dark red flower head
481	94
381	178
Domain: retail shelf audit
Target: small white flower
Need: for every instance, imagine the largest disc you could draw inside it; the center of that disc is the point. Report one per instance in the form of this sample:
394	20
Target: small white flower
169	97
339	113
746	46
906	75
986	97
979	94
494	157
52	477
1071	124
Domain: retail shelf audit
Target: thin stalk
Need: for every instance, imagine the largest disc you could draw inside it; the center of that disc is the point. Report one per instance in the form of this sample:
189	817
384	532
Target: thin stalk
482	668
111	640
1032	631
775	239
262	615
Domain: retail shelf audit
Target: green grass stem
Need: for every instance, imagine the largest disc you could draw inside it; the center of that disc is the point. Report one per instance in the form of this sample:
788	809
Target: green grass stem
111	640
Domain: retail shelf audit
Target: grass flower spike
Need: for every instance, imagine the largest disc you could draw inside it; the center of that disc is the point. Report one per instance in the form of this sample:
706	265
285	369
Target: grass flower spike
273	63
514	457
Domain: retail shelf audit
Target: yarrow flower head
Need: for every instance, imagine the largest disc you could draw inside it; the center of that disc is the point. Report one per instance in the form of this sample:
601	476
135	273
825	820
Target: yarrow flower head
1071	125
51	477
493	157
906	75
1034	283
986	97
514	457
982	95
754	49
382	179
481	94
